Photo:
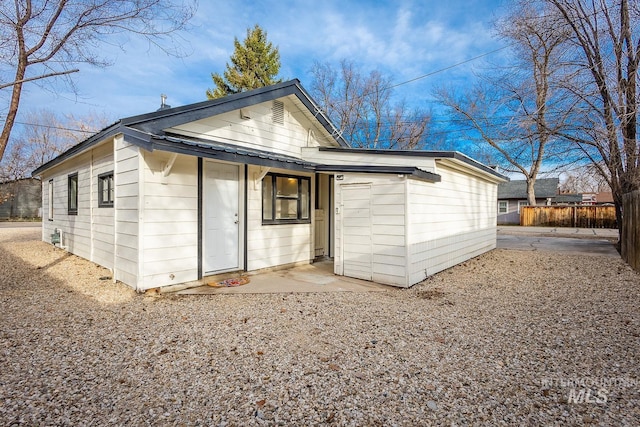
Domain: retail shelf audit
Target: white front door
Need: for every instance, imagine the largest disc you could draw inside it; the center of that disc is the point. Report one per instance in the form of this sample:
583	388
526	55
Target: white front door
221	217
357	242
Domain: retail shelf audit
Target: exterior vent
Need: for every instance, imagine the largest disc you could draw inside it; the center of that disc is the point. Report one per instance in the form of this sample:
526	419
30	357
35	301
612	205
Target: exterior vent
278	112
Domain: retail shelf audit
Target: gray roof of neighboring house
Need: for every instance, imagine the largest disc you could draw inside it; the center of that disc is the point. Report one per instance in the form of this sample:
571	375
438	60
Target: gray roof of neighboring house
517	189
567	198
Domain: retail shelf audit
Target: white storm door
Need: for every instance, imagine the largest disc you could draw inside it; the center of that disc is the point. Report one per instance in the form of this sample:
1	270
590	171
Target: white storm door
221	217
357	242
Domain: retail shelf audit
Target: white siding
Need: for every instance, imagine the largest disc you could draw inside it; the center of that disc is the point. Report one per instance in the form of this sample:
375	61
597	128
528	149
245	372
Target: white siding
387	227
169	247
89	234
102	217
274	245
75	228
126	177
259	131
450	221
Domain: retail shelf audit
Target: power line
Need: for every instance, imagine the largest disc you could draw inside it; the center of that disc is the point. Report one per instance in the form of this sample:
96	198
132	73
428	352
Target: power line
449	67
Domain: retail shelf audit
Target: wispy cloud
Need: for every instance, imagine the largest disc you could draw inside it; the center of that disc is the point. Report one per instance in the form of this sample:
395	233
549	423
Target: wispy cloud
405	39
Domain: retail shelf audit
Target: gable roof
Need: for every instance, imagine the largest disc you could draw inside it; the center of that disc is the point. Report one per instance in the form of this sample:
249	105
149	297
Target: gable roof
440	155
145	130
517	189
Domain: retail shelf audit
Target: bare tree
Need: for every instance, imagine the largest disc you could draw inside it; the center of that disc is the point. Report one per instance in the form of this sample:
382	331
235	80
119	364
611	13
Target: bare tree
362	108
509	109
606	35
584	179
42	39
44	137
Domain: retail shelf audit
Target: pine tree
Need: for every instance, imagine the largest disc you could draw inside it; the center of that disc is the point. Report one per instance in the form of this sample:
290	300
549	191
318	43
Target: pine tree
255	63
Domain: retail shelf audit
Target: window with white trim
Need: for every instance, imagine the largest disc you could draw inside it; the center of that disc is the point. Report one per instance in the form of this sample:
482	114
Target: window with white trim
522	203
503	206
286	199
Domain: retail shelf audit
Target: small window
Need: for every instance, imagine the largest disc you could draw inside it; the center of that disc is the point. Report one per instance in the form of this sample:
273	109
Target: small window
503	206
522	203
105	190
285	199
72	191
50	201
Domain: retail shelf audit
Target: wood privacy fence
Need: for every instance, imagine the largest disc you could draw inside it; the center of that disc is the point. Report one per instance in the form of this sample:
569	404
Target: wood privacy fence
630	237
569	216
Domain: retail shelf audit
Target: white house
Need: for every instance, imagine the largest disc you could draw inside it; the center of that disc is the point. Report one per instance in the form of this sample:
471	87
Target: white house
257	180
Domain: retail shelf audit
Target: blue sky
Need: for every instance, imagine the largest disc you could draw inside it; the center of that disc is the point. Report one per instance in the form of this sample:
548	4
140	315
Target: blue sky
403	39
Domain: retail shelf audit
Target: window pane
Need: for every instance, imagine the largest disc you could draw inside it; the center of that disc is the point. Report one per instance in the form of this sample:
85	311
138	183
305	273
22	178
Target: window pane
50	199
286	209
105	190
111	189
267	198
304	199
72	189
287	187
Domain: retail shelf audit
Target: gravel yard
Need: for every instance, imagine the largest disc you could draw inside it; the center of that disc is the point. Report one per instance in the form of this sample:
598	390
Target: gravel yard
511	337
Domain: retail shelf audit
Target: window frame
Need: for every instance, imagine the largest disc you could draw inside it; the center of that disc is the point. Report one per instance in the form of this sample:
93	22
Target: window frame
506	207
274	198
72	208
522	203
111	191
50	201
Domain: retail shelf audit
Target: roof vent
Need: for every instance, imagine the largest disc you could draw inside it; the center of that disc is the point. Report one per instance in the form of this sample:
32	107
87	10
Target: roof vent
278	112
163	102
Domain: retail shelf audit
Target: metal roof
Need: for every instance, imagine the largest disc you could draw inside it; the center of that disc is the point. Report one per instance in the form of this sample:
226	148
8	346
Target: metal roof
142	128
420	153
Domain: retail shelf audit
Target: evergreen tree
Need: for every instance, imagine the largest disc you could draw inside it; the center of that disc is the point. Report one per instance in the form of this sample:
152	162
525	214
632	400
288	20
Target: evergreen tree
255	63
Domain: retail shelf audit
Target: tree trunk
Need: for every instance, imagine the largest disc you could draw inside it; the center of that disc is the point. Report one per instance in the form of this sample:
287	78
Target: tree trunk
531	192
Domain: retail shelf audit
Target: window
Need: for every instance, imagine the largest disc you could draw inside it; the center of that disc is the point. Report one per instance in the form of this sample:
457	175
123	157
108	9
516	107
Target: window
522	203
105	190
50	202
72	192
285	199
503	206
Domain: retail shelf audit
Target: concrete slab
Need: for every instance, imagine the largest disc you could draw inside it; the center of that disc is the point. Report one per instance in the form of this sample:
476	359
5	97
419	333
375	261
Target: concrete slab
20	224
312	278
581	233
557	244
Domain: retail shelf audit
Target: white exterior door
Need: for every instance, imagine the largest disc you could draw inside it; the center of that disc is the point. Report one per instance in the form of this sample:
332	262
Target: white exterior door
221	217
357	242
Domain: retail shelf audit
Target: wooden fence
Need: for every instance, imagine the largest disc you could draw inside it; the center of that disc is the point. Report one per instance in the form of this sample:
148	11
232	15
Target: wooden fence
630	236
569	216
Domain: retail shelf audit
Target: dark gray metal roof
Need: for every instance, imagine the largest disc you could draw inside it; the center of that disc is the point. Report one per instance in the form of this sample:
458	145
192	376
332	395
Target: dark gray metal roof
157	121
396	170
419	153
230	153
140	129
517	189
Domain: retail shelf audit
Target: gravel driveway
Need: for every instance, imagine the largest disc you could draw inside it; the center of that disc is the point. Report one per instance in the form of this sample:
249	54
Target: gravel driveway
508	338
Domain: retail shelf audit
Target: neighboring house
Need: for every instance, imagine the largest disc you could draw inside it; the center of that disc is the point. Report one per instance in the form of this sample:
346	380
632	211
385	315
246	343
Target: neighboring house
21	198
512	196
601	198
257	180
